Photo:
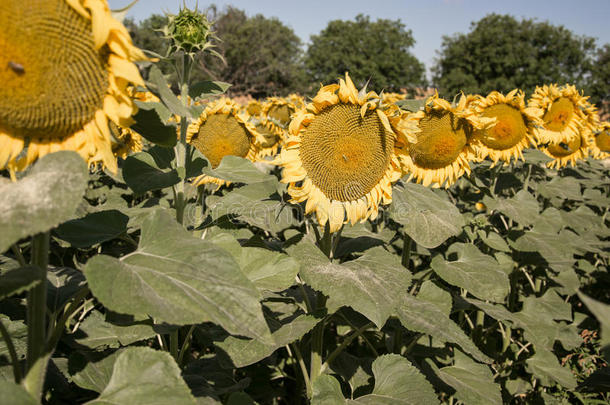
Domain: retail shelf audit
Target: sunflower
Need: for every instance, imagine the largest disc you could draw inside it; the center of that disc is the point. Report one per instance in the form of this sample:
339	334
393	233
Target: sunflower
340	155
600	142
567	152
254	108
277	113
514	130
65	66
125	141
390	98
564	112
222	130
272	141
441	151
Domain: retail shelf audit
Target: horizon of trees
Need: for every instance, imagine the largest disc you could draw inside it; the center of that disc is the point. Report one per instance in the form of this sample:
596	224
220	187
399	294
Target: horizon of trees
264	57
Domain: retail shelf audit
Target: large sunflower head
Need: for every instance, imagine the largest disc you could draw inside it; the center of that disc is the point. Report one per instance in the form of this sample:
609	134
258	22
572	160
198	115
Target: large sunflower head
340	155
65	66
441	151
600	141
514	129
222	130
563	111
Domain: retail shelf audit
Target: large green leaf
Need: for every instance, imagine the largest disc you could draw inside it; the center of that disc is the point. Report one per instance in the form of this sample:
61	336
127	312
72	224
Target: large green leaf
178	279
327	391
371	284
428	218
474	271
435	295
147	171
245	352
96	375
46	197
207	88
422	316
398	382
18	280
545	366
161	89
14	394
94	228
95	332
144	376
268	270
560	189
556	248
149	122
473	382
238	170
522	208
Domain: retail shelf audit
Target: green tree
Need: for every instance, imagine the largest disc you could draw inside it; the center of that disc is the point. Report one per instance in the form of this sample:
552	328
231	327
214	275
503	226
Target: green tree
262	55
501	53
600	78
376	51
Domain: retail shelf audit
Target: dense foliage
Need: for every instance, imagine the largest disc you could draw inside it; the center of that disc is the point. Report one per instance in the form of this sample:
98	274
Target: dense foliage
374	51
502	53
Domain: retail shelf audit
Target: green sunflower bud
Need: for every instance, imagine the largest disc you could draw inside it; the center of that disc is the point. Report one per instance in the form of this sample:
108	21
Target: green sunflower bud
189	31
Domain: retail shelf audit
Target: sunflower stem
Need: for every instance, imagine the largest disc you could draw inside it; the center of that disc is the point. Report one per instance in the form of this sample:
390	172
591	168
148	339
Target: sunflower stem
406	250
37	300
317	341
326	241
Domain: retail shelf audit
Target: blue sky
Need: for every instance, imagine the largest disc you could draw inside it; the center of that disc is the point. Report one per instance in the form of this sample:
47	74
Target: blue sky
429	20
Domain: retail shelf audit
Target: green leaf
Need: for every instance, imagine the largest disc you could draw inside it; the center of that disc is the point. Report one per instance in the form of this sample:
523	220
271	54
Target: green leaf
207	88
96	375
16	394
428	218
238	170
522	208
474	271
144	376
150	124
327	391
245	352
411	105
46	197
556	249
421	316
268	270
18	332
178	279
18	280
398	382
545	366
371	284
560	189
147	171
435	295
98	332
94	228
62	284
494	241
473	382
162	90
601	311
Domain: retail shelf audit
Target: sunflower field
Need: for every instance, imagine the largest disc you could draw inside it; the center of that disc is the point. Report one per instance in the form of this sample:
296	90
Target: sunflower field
349	246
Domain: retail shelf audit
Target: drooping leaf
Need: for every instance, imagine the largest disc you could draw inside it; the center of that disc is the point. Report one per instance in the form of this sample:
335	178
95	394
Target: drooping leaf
46	197
207	88
427	218
150	123
371	284
545	366
95	332
144	376
421	316
244	352
96	375
94	228
398	382
474	271
473	382
601	311
18	280
145	171
162	90
178	279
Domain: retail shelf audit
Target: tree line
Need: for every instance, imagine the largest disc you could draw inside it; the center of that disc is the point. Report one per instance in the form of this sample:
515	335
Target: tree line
264	57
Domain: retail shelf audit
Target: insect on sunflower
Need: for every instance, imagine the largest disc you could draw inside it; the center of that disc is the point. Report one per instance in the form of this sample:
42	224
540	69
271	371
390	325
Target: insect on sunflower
441	151
340	154
571	151
222	130
564	112
514	129
65	67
